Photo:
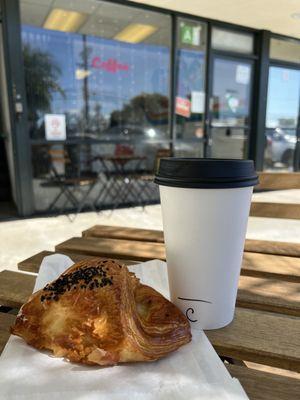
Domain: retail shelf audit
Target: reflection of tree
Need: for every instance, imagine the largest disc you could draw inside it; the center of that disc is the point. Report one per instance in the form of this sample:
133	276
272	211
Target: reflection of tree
41	80
142	109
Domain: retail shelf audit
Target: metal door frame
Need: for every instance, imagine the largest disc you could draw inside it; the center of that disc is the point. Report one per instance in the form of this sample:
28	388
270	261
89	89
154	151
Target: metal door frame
11	28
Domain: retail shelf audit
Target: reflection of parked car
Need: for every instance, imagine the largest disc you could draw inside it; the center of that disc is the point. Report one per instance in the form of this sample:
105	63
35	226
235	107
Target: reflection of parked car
280	146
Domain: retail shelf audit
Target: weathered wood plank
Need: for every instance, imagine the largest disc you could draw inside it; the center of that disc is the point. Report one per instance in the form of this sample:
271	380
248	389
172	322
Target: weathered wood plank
269	295
116	248
32	264
15	288
254	264
265	385
6	321
271	266
120	232
257	246
272	247
278	180
275	210
260	337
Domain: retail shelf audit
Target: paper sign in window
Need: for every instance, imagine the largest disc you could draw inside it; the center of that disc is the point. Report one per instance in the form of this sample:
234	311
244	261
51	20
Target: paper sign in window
55	127
198	102
243	74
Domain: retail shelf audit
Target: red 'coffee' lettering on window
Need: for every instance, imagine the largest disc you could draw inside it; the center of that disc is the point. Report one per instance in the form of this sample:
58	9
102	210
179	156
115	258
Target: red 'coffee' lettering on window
110	65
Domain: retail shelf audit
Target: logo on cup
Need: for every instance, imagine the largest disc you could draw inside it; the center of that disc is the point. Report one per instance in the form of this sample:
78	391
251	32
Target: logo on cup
190	310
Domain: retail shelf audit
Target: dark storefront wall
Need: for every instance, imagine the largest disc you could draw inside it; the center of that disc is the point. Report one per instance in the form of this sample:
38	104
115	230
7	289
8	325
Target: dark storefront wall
114	95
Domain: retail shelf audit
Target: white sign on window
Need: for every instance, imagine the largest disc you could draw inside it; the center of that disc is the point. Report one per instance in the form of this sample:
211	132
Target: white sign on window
243	74
198	102
55	126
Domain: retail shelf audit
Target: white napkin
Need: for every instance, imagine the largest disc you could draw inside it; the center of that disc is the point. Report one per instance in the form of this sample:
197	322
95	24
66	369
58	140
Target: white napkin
194	372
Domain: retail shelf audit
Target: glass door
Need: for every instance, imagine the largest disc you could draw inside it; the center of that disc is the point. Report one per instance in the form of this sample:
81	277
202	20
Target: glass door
230	101
282	119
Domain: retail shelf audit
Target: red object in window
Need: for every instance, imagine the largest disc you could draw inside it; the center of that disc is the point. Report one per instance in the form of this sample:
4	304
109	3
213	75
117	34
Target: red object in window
123	150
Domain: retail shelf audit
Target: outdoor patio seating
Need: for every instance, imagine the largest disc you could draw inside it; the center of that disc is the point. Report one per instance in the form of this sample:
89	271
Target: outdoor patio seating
73	184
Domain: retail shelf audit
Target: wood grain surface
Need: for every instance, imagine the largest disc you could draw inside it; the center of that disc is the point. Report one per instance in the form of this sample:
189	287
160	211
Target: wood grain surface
254	264
269	295
257	246
119	232
278	180
264	385
6	321
273	247
32	264
123	249
275	210
271	266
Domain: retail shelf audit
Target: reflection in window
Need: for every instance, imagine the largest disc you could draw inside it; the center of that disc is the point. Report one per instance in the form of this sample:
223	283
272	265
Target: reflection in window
190	94
228	143
282	117
94	71
99	76
231	92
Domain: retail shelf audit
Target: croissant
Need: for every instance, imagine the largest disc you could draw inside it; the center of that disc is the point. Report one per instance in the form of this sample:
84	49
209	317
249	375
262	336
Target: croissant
97	312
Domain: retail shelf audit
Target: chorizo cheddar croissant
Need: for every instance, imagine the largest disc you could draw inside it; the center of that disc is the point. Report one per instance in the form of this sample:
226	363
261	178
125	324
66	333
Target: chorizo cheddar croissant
97	312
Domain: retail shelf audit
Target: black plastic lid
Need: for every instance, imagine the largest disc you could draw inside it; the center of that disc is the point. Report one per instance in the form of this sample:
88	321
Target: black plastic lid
206	173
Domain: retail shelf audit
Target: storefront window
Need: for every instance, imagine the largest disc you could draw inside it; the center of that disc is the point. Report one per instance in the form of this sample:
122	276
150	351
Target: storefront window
285	50
190	89
282	117
95	71
227	40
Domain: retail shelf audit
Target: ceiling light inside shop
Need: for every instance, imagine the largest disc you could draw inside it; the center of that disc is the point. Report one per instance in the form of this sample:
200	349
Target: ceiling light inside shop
135	33
296	15
64	20
82	73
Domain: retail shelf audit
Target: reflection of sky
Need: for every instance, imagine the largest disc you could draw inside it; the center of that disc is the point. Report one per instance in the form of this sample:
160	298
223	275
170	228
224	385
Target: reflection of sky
190	72
148	69
283	95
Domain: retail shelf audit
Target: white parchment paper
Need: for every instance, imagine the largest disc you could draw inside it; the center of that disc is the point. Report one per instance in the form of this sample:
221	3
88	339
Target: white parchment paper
194	372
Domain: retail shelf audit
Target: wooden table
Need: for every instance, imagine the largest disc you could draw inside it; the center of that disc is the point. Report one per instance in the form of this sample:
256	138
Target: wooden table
266	327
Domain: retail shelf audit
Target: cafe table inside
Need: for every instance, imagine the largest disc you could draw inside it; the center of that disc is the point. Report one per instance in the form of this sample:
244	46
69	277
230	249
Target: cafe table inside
260	347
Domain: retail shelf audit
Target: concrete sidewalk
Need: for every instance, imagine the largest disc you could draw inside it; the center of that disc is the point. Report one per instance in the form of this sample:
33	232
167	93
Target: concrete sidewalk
23	238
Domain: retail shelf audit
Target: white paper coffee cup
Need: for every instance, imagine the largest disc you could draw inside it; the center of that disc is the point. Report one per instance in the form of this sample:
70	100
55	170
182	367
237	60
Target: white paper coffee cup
205	208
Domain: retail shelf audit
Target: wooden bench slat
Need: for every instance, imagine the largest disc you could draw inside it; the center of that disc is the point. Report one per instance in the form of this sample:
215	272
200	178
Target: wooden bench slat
119	232
278	180
271	339
116	248
275	210
269	295
251	245
260	337
6	321
32	264
256	293
254	264
261	385
15	288
272	247
271	266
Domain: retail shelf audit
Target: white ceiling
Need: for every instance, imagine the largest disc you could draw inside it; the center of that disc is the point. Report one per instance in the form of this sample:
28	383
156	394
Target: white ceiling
104	19
273	15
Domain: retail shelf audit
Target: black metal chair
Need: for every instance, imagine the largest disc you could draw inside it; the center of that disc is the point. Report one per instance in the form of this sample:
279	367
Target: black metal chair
74	184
